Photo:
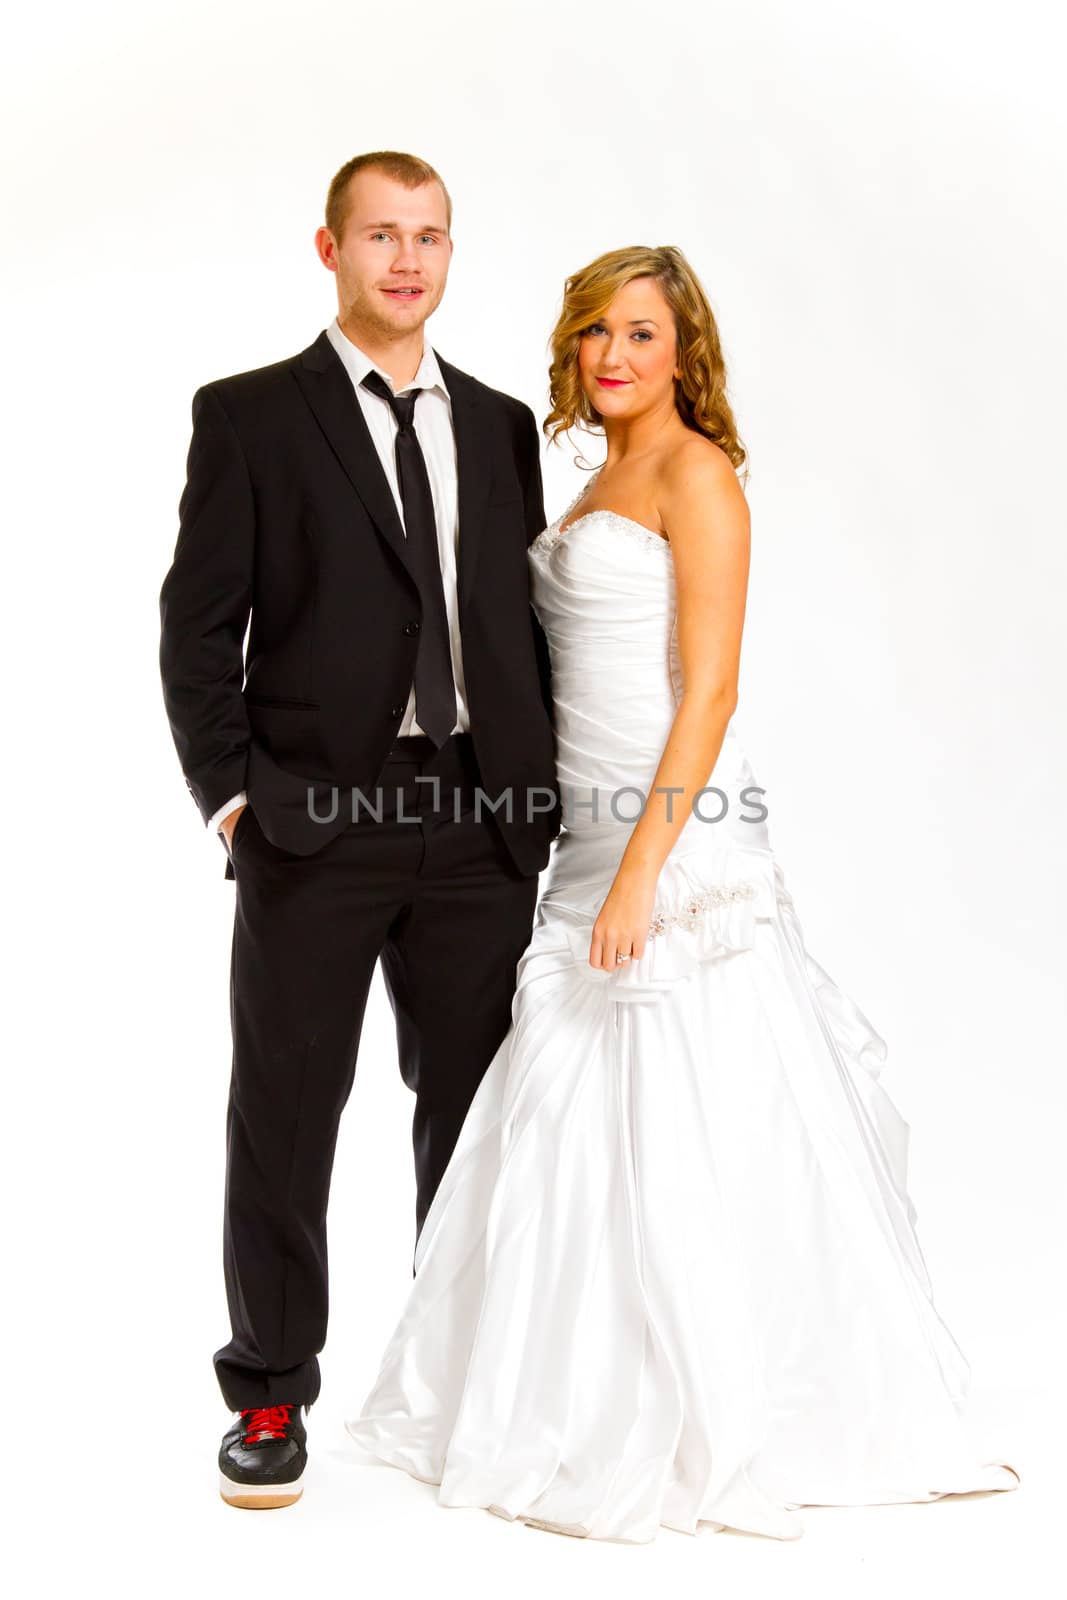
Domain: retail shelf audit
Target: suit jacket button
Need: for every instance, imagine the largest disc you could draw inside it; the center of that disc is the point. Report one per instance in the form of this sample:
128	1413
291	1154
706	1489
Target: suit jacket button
397	711
411	627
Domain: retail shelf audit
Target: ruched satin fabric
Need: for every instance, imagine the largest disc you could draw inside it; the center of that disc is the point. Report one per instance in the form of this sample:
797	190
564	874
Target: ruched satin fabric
671	1276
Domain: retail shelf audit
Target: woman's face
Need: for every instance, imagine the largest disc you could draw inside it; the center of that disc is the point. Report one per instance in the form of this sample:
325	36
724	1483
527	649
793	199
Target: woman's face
627	358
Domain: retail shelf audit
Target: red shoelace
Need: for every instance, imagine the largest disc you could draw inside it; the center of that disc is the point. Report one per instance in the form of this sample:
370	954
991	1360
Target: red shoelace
268	1422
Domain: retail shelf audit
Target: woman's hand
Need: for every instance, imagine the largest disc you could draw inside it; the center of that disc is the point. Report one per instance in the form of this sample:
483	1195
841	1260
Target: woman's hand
622	925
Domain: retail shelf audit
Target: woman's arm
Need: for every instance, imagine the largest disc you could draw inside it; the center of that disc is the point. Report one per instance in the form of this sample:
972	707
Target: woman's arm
703	508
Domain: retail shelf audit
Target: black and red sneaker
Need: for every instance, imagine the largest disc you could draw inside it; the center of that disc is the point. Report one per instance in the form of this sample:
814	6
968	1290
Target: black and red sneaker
263	1457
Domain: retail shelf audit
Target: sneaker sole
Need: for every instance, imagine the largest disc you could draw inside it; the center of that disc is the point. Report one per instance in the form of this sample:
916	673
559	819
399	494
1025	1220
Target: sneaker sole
260	1497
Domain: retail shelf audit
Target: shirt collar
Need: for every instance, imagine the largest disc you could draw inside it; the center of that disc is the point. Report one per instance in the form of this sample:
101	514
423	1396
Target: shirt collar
357	363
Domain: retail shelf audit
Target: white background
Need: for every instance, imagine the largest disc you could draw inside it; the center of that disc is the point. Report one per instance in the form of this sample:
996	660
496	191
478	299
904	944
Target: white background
872	199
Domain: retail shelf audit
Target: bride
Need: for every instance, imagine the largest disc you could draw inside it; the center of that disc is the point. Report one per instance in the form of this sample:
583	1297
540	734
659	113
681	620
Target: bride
670	1276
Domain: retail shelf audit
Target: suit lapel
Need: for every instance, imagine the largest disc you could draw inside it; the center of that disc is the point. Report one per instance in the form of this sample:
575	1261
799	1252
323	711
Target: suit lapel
327	388
472	470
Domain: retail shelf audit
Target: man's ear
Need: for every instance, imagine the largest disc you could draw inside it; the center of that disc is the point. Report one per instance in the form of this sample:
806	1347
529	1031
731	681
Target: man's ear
326	248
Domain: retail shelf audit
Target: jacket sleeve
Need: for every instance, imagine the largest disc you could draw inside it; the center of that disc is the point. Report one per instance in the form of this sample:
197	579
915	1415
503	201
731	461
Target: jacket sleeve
530	469
204	608
534	505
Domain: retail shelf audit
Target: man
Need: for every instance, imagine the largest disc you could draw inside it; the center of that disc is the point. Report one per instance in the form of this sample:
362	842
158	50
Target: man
380	763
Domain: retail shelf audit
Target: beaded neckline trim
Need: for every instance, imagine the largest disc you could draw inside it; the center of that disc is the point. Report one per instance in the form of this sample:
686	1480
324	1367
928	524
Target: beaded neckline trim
555	532
636	531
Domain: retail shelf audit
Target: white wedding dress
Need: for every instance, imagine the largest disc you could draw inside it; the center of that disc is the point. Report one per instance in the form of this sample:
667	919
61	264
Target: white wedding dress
670	1276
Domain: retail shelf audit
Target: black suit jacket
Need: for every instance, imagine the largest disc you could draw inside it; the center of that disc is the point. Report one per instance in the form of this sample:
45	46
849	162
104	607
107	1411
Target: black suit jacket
287	518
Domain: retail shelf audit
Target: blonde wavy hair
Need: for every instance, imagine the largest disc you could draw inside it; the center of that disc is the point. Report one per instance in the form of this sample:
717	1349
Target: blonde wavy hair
700	393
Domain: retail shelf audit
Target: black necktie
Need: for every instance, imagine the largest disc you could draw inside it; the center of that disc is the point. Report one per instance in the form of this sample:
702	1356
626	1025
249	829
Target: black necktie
435	687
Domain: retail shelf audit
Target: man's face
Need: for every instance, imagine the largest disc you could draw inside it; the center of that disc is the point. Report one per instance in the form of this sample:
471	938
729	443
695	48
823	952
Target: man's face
392	260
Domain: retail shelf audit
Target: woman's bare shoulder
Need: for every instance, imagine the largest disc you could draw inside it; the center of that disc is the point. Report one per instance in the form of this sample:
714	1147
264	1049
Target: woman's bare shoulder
694	472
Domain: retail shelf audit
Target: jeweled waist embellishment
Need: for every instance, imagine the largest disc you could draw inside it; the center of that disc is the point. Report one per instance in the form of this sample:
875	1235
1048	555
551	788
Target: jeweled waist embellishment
697	907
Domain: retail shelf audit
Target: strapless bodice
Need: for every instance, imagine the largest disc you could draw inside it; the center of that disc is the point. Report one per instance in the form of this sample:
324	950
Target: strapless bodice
604	592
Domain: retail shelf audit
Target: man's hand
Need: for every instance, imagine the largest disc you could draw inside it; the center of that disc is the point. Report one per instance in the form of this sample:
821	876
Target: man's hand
227	825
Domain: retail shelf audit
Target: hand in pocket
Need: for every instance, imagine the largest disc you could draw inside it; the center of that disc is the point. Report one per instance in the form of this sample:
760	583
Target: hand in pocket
228	826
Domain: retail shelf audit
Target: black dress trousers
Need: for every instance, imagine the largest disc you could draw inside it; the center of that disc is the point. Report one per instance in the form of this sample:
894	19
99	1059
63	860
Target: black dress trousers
444	906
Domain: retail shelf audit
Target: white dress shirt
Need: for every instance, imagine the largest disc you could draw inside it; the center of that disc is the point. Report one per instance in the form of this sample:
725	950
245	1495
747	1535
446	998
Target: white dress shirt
437	440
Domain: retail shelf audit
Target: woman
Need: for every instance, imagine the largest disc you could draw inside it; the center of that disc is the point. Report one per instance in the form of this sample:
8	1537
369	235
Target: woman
670	1276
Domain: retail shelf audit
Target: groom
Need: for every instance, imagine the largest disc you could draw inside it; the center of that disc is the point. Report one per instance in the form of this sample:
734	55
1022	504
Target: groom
380	763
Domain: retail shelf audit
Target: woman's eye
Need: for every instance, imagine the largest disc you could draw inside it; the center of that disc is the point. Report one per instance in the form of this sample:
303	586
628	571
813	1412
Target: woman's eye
642	334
